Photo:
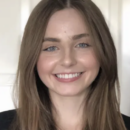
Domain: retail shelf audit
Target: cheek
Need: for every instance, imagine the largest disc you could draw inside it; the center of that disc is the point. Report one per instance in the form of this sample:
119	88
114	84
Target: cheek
89	60
92	62
44	64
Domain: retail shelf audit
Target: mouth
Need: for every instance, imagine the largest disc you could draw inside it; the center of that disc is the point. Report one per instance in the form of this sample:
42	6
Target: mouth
78	74
68	77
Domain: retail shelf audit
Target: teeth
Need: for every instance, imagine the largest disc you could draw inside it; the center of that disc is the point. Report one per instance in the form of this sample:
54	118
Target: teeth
68	76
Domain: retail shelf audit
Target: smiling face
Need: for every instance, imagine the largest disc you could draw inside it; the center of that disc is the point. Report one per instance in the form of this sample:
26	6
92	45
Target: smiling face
67	48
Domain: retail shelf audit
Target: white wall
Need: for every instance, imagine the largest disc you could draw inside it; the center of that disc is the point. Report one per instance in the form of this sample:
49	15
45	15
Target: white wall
125	39
13	17
9	48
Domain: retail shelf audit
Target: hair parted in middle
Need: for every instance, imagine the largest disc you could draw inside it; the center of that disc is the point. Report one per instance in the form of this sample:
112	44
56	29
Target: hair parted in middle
102	110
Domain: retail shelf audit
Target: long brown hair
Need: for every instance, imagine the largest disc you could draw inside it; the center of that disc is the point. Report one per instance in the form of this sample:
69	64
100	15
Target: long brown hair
31	97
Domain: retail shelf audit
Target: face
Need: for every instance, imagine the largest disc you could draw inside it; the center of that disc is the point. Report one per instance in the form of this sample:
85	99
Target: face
66	52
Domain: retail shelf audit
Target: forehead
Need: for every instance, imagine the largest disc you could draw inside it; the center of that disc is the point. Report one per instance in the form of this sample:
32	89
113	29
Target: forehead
67	21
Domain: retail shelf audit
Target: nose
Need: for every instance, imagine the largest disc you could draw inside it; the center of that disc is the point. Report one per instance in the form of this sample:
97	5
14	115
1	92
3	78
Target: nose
68	58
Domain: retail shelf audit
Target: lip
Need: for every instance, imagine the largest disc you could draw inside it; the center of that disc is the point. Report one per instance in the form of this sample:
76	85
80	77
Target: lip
68	80
69	72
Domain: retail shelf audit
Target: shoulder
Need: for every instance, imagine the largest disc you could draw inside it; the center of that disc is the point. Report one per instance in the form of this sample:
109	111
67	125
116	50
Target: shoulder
6	118
126	121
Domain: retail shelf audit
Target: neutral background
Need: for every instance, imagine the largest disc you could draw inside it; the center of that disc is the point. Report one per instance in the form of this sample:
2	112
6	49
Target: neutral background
13	17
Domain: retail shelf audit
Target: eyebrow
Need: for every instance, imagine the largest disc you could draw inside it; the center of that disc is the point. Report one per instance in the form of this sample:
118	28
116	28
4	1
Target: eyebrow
75	37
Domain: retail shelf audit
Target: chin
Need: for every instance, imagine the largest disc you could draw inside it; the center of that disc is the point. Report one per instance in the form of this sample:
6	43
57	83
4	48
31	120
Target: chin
68	93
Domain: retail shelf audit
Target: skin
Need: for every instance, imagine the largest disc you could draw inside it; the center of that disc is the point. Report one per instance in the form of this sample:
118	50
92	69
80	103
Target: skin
68	55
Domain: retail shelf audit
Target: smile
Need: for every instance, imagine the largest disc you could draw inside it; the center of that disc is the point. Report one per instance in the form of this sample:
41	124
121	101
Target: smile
68	77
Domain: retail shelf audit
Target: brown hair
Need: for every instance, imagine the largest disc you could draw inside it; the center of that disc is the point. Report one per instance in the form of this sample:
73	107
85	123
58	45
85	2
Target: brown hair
31	98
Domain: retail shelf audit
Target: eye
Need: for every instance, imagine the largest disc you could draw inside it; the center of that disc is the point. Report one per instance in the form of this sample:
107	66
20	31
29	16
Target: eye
51	48
83	45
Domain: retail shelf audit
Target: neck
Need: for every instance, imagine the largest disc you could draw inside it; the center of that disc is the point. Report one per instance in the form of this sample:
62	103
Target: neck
68	111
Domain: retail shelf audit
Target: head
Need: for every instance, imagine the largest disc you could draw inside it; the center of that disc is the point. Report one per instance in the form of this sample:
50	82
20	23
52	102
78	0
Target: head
67	48
68	36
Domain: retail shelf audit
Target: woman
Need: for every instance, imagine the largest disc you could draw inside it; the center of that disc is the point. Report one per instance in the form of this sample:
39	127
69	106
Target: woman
67	75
